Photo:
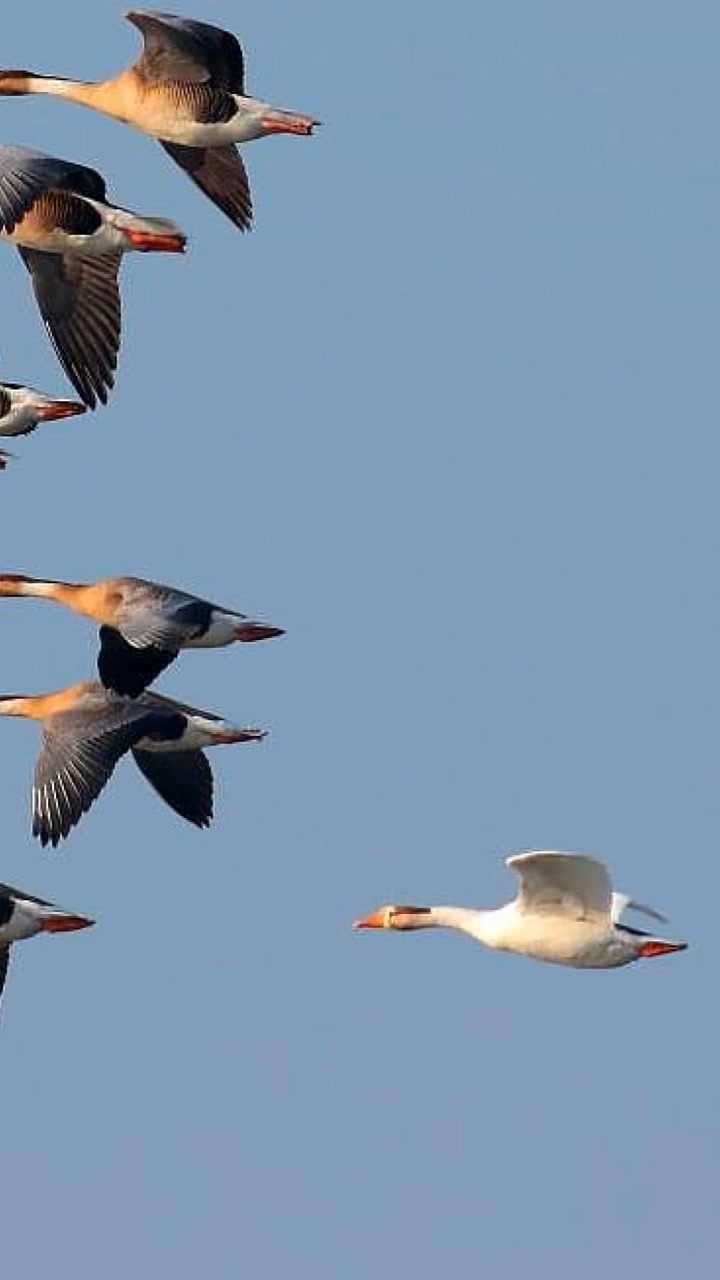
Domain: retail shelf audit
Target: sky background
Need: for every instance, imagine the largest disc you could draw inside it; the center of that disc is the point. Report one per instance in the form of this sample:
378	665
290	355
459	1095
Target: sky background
449	416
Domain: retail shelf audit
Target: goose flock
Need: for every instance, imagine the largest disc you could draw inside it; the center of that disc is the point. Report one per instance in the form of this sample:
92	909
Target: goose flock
187	90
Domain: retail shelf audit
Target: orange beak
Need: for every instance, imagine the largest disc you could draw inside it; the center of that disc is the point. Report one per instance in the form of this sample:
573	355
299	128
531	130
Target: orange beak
157	241
59	409
242	735
285	122
649	949
374	921
249	631
65	923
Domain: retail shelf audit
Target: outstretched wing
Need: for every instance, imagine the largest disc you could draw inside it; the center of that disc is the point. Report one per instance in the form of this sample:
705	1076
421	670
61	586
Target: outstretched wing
4	962
623	902
79	300
565	884
128	669
26	174
183	779
183	49
77	759
220	174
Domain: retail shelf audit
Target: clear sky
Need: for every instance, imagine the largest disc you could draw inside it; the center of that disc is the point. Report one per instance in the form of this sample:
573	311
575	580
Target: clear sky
450	416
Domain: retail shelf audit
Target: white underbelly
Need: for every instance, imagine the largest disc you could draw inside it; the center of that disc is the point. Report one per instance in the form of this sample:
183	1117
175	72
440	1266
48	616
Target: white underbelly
21	926
199	733
194	133
18	421
577	943
220	632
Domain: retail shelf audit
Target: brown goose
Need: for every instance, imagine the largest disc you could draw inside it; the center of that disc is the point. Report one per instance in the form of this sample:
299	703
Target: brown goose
22	916
187	90
143	625
87	729
72	241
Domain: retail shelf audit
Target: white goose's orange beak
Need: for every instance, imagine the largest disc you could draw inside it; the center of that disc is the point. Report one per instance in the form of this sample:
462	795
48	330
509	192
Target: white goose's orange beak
374	921
59	409
63	922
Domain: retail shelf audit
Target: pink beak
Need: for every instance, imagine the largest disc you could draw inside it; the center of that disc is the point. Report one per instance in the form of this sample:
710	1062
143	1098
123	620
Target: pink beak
63	922
286	122
59	409
249	631
157	241
242	735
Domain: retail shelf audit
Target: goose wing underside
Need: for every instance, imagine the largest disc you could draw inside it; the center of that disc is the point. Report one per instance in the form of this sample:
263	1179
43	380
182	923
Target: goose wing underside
4	962
562	884
77	759
148	637
220	174
183	779
184	49
79	301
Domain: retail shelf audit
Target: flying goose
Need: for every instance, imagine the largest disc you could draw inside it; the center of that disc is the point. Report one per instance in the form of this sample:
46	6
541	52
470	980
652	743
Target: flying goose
143	625
565	913
187	89
72	241
86	730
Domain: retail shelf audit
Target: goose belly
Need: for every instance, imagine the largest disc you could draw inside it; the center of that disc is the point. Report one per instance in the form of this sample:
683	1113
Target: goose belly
199	732
21	925
578	943
18	421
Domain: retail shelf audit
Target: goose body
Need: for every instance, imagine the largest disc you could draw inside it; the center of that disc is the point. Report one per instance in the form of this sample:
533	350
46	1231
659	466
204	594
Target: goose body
187	89
87	729
22	409
23	916
72	241
143	625
565	913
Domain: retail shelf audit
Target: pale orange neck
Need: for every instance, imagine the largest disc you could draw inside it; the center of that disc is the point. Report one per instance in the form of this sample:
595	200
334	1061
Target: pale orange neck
98	600
116	97
39	706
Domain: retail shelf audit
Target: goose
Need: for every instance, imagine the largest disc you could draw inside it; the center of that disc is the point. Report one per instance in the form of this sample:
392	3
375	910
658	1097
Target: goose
23	916
187	90
72	241
87	729
143	625
22	409
565	913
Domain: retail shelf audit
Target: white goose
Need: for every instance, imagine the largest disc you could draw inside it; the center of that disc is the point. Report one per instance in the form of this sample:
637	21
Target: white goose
565	913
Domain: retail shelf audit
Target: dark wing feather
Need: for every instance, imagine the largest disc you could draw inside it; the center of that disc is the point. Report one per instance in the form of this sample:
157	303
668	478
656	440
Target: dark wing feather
219	172
5	402
74	766
183	49
25	174
183	779
4	962
126	669
79	301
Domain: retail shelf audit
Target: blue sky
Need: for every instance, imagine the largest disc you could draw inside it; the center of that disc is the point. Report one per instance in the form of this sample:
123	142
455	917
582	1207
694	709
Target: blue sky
449	416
